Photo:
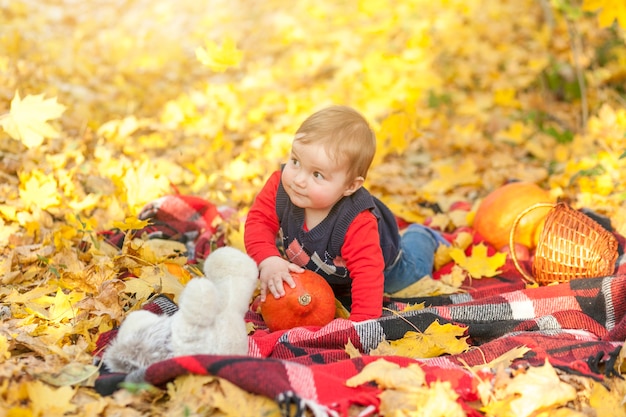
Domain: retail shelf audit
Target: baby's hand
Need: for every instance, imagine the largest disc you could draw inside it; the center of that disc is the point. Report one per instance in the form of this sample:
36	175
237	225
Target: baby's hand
272	272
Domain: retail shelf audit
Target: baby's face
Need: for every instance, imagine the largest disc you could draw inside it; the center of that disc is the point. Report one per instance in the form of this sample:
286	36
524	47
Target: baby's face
312	179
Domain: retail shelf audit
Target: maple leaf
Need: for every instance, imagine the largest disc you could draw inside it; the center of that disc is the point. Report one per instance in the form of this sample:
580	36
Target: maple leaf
435	341
144	182
49	401
437	400
539	388
196	394
351	350
479	264
442	255
389	375
39	190
131	223
27	119
156	251
219	57
159	280
395	127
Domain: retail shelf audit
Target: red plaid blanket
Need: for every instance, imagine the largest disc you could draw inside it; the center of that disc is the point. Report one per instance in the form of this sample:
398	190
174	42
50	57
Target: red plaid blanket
579	327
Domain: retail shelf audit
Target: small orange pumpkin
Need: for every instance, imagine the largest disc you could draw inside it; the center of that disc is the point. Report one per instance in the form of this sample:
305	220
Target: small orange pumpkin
310	303
497	212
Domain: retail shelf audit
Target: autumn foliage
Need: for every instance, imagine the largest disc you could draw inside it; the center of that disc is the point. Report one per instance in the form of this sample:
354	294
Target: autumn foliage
106	106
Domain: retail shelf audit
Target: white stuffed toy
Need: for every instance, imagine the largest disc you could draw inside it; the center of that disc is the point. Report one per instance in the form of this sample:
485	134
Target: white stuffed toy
209	320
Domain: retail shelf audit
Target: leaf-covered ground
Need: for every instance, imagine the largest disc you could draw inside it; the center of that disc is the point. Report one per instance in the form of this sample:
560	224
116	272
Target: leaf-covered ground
105	106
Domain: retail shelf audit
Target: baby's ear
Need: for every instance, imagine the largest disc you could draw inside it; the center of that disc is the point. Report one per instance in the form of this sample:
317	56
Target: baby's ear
354	186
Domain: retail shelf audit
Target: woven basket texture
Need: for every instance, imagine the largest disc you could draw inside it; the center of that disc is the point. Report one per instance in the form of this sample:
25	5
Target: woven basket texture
571	246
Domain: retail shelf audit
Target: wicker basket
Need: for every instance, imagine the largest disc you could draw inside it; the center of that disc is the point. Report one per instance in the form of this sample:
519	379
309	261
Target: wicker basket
571	245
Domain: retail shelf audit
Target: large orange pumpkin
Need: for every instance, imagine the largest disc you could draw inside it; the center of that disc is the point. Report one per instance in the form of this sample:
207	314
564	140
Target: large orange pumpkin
497	212
310	303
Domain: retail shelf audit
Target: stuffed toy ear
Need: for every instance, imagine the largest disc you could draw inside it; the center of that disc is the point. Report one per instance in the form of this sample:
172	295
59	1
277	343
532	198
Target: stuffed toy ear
235	275
229	262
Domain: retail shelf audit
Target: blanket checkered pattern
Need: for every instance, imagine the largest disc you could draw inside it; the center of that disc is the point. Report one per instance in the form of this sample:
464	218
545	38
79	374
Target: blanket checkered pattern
579	327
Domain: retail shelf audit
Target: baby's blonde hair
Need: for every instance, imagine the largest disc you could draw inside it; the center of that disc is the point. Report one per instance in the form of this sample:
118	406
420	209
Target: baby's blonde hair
346	136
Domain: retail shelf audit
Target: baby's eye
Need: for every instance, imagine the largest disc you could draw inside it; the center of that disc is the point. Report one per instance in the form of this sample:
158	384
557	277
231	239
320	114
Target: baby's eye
318	175
295	162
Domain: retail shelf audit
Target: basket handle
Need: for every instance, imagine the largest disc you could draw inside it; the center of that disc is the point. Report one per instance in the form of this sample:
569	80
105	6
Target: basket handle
519	217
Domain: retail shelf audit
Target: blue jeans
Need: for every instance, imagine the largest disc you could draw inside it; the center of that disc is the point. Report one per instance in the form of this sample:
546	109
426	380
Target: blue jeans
416	259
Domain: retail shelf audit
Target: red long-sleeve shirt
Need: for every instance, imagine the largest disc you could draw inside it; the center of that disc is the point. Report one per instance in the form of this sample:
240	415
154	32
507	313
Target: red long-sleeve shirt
361	249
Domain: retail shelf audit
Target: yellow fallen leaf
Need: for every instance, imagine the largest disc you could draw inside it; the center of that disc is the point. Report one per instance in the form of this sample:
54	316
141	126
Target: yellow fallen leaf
140	288
131	223
71	374
352	351
219	57
156	251
48	401
234	236
442	254
435	341
414	307
209	395
160	280
455	278
389	375
479	264
505	359
539	388
39	190
436	400
607	402
28	119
